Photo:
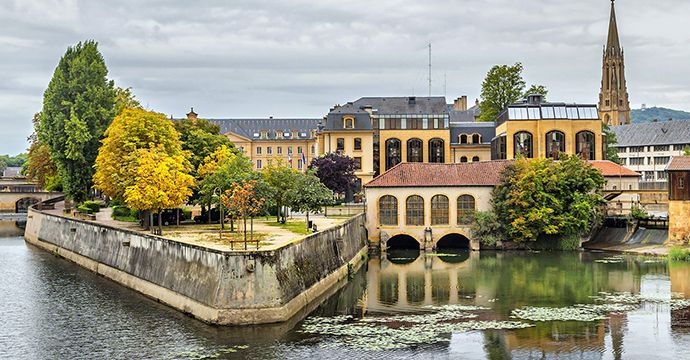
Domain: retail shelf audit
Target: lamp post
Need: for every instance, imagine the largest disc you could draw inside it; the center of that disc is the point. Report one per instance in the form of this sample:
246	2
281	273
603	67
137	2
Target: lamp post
220	207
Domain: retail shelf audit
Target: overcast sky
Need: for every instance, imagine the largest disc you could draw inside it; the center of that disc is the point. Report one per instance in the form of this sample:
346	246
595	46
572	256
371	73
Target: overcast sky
297	58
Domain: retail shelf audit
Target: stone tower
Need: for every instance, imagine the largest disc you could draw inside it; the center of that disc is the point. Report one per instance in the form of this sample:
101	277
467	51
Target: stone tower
614	107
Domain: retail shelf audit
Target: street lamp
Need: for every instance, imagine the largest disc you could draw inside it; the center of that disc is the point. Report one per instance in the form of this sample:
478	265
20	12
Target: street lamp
220	207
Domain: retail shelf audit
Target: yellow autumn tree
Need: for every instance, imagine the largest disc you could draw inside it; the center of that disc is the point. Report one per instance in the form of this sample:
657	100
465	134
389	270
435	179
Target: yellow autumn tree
244	200
133	129
160	181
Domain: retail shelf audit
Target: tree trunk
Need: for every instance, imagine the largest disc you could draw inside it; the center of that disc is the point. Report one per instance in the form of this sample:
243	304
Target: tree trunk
244	219
222	218
160	222
178	216
251	232
151	221
209	211
307	219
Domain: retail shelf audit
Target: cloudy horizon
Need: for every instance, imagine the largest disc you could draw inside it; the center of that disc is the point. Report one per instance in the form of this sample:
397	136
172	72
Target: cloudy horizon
297	58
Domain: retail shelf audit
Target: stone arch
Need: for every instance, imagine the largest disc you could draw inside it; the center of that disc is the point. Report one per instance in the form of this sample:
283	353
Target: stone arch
22	205
403	242
453	241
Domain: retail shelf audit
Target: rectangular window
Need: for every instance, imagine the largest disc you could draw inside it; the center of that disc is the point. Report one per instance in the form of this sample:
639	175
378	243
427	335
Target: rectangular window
681	183
622	150
269	150
414	123
258	164
392	123
313	149
661	160
299	149
425	123
299	163
289	149
358	144
661	175
533	113
547	112
258	150
636	149
679	147
358	163
280	150
661	148
637	161
340	144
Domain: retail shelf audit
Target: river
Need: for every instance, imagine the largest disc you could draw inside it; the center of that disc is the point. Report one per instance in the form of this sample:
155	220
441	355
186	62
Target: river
579	305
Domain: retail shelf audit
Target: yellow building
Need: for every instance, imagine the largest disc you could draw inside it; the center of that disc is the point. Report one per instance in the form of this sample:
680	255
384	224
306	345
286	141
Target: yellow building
539	129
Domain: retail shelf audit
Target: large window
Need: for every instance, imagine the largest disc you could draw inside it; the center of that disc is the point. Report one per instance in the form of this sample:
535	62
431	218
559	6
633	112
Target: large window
439	210
463	138
414	214
498	148
522	144
340	144
555	144
466	208
585	145
358	143
388	210
393	156
436	151
476	139
414	123
415	151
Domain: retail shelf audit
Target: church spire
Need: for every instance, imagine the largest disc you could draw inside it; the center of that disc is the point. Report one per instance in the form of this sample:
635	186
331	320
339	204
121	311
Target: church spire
614	107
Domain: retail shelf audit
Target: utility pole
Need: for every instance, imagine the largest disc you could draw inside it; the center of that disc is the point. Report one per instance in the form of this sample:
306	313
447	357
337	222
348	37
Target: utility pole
429	69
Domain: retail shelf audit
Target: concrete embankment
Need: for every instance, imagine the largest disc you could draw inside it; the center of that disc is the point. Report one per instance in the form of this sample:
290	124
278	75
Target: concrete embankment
630	240
219	287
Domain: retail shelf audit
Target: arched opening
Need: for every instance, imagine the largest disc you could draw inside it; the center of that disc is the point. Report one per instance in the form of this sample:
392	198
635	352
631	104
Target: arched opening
463	138
453	241
415	151
388	210
476	138
585	145
22	205
402	242
436	151
393	156
555	144
463	159
475	158
402	249
522	144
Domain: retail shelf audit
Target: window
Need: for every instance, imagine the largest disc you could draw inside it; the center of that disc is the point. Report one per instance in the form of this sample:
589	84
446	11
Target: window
340	144
681	183
466	209
299	163
636	149
585	145
393	156
299	149
358	144
555	144
358	163
414	123
313	149
662	175
414	210
280	150
622	150
463	139
289	149
637	161
463	159
476	138
269	150
679	147
286	134
258	150
661	148
475	158
392	123
436	151
661	160
388	210
258	164
498	148
522	144
439	210
349	123
415	151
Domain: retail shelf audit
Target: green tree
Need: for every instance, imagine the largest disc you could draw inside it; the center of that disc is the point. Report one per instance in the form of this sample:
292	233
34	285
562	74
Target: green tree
543	198
78	106
309	194
611	142
686	150
281	180
244	199
116	164
502	86
201	138
537	90
40	167
125	99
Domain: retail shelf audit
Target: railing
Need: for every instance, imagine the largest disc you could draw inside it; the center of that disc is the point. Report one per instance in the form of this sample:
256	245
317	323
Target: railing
344	210
653	185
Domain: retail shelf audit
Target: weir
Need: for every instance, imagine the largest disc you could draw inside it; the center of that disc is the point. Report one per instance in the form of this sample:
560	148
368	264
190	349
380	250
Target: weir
218	287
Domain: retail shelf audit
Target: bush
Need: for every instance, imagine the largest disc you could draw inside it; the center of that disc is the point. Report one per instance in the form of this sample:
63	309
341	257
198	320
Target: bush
93	205
84	209
638	213
486	228
678	253
121	211
187	214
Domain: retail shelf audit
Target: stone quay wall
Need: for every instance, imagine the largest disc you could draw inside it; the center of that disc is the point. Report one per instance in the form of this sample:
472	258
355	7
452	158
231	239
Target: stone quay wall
218	287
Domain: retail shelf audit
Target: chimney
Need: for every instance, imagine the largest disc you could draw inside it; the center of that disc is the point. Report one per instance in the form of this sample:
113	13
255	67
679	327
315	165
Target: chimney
192	115
476	102
534	99
411	100
460	104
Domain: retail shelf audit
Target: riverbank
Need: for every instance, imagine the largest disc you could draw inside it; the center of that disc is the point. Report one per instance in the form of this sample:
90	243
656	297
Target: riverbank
217	286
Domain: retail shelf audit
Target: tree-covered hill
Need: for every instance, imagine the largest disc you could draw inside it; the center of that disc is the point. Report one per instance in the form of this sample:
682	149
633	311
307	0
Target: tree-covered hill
658	113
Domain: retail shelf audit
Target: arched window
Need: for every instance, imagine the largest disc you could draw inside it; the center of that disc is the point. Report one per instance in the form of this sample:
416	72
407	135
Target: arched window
463	159
585	145
439	210
465	209
607	119
414	214
415	151
388	210
392	153
555	144
436	151
522	144
475	158
463	138
476	138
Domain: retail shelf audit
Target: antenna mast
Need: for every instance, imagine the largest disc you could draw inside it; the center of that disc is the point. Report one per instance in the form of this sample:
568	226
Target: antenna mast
429	69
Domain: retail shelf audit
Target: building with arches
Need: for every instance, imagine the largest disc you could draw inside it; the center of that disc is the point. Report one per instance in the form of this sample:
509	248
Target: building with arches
429	203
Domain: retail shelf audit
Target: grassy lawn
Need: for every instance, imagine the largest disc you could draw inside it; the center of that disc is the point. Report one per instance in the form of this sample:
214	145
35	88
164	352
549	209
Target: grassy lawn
130	219
297	227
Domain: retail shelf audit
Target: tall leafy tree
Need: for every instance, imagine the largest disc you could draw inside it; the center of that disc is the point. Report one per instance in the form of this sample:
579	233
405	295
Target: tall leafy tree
117	162
611	141
537	90
281	180
336	171
78	106
201	138
125	99
309	194
502	86
244	199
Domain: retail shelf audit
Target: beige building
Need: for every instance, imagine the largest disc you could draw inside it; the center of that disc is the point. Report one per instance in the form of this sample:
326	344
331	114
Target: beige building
621	187
425	206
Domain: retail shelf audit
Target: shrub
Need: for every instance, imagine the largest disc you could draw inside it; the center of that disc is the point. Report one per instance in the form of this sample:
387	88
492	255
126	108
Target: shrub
638	213
84	209
486	228
678	253
121	211
187	213
93	205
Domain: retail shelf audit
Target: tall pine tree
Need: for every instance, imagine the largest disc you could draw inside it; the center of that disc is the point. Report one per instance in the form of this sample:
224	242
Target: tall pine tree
78	106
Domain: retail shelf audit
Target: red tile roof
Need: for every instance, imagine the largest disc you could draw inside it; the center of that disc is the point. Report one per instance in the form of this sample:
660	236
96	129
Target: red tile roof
486	173
611	169
679	163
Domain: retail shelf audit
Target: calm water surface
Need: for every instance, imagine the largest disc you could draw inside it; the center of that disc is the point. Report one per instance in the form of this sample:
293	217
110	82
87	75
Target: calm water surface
407	305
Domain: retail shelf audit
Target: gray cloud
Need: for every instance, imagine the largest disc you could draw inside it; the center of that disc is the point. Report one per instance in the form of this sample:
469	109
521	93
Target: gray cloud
246	58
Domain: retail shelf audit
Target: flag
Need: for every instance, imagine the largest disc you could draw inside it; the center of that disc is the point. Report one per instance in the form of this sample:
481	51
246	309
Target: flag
304	160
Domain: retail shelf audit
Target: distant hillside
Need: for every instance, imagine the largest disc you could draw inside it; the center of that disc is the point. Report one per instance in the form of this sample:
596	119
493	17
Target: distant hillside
659	113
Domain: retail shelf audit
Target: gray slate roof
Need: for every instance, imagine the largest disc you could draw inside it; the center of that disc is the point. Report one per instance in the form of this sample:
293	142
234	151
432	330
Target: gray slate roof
249	127
463	116
486	129
654	133
384	106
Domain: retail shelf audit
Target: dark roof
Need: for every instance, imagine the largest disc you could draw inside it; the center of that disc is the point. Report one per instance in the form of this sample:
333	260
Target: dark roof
679	163
486	129
486	173
384	106
249	128
654	133
611	169
12	171
463	115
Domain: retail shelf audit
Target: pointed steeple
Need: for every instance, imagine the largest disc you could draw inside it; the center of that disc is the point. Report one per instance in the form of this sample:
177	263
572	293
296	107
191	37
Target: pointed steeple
614	107
613	44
